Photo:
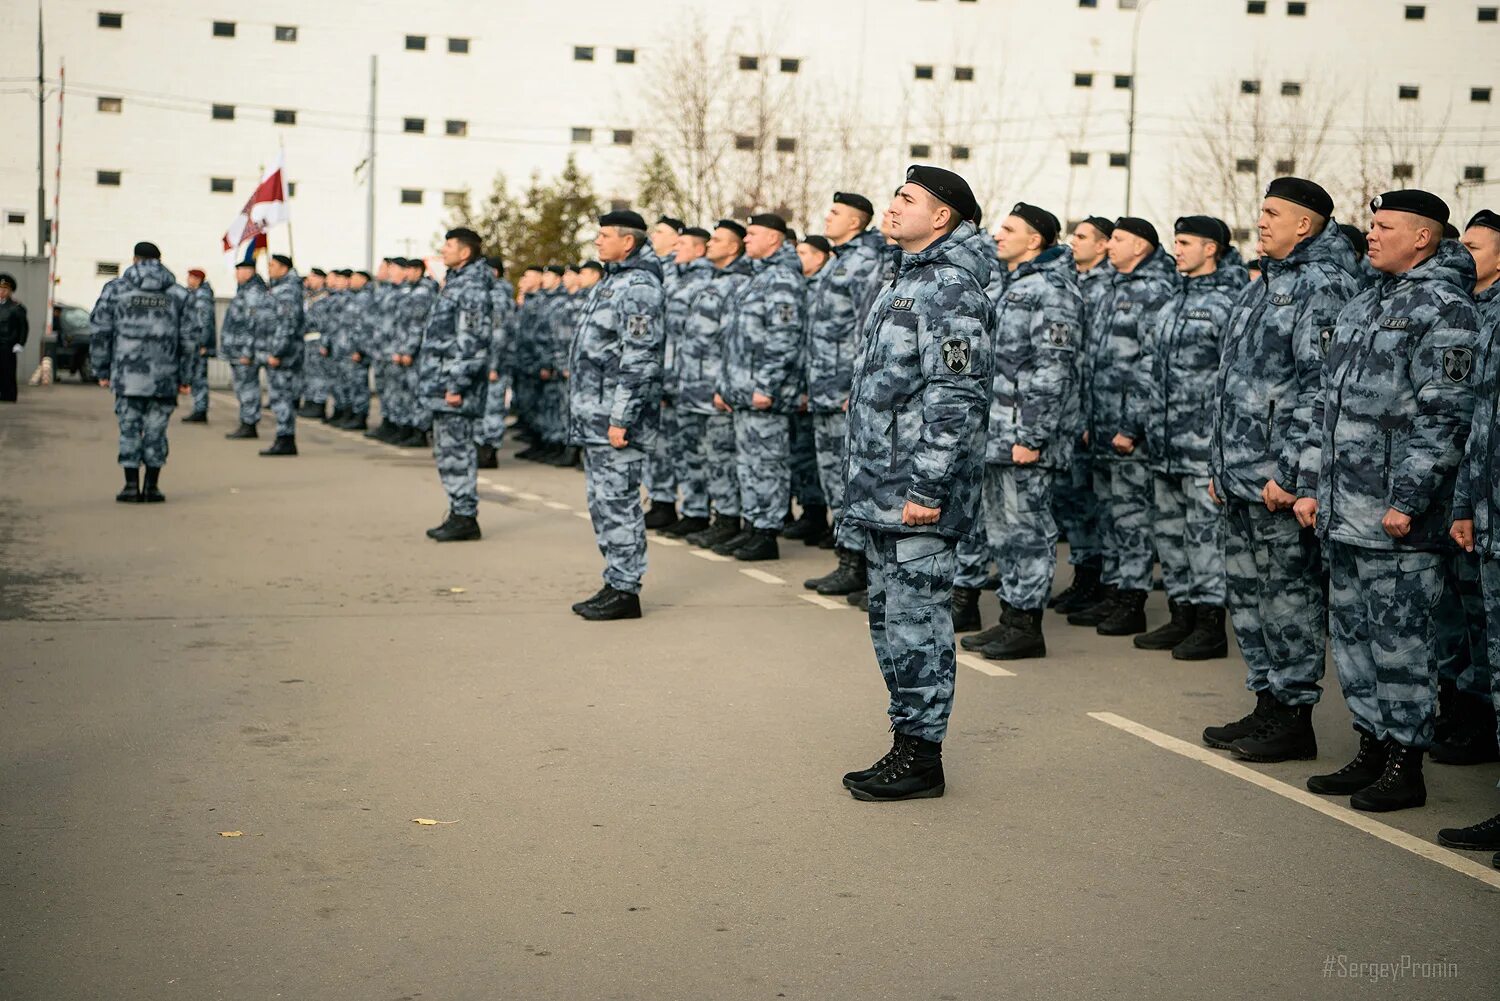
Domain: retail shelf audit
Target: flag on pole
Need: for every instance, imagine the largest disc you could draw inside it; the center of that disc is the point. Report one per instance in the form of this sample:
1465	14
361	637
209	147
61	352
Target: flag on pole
265	208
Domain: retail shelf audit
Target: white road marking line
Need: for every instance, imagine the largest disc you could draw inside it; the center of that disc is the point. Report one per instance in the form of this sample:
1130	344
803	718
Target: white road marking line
983	666
525	496
762	576
822	602
704	554
558	506
484	481
1343	814
665	540
583	514
504	489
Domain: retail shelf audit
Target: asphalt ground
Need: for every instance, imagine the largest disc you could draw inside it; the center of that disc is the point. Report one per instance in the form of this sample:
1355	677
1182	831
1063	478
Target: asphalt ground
638	810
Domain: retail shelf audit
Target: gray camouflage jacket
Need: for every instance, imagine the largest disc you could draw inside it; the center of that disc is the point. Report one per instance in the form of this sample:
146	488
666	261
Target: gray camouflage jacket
502	325
249	323
455	352
763	335
1112	358
142	335
205	326
412	309
698	355
692	281
286	342
1477	494
1396	404
836	302
921	386
615	365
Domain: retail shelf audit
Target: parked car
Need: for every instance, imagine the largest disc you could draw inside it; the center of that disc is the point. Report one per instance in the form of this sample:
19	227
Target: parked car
68	347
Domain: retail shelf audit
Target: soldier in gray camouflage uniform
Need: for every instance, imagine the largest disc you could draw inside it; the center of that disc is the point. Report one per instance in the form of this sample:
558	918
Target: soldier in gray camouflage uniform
413	303
661	467
695	272
143	343
914	459
355	351
284	354
758	384
614	404
1263	455
453	367
1476	513
201	311
326	345
491	430
248	323
382	310
316	381
1180	365
1395	411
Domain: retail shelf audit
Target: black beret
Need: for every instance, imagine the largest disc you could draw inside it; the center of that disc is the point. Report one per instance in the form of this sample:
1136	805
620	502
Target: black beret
364	274
696	231
625	219
947	187
389	260
1356	238
978	215
7	278
533	267
319	272
819	243
571	269
1039	219
245	264
1301	191
418	263
1205	226
282	259
676	224
791	234
495	261
345	272
1413	200
1450	231
147	251
1138	227
770	220
1102	224
857	202
592	266
556	269
732	226
1487	218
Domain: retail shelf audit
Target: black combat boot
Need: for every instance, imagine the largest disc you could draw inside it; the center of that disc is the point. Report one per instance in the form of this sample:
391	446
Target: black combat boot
355	422
662	514
1128	615
1023	640
859	599
813	522
1285	735
309	409
1367	766
1083	592
338	414
760	546
966	610
729	545
150	494
1481	837
196	417
243	431
567	457
284	444
982	639
455	528
131	492
1106	598
530	452
381	431
414	438
1469	738
685	526
578	606
723	529
915	771
488	458
1223	736
1400	786
1208	641
612	605
846	578
1179	628
865	774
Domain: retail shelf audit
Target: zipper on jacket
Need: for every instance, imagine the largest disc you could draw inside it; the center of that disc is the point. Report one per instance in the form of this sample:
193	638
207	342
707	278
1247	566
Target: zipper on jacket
895	429
1386	476
1270	421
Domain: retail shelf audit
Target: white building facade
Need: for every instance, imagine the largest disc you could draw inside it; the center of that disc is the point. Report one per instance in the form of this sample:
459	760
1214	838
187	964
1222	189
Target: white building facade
173	107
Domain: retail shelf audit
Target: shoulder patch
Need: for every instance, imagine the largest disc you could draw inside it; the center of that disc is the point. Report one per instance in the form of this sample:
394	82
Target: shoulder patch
638	325
606	293
956	355
904	304
1395	322
1458	363
1057	335
786	312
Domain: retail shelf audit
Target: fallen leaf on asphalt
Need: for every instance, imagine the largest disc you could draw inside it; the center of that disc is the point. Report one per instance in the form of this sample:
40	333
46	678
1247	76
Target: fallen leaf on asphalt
231	834
426	822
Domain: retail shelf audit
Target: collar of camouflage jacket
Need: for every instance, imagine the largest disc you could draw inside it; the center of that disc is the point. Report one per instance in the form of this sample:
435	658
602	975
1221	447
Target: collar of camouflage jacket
637	261
1452	264
1329	247
961	249
784	257
150	275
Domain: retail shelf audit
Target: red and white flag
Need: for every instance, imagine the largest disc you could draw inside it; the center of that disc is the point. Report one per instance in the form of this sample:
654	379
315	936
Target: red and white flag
266	208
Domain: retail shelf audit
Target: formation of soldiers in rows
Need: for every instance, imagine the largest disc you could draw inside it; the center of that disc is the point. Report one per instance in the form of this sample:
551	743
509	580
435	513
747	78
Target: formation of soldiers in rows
1289	438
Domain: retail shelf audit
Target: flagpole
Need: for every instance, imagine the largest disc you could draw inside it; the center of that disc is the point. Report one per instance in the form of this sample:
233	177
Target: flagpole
291	250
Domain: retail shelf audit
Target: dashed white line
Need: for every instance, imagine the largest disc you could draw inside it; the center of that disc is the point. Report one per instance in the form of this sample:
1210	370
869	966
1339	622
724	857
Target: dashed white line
666	540
504	489
582	514
822	602
557	506
984	667
704	554
484	481
762	576
1343	814
526	496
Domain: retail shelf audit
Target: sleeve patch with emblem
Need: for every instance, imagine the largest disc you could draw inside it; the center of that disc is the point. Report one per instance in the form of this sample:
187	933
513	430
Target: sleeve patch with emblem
638	325
1059	335
786	313
956	354
1458	363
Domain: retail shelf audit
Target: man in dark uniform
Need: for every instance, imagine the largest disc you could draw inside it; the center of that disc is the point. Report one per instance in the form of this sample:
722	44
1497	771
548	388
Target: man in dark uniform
13	330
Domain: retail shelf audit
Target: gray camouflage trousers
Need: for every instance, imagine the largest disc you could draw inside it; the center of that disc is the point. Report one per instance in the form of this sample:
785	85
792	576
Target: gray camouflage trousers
1489	576
803	460
246	379
829	432
317	373
761	447
552	411
352	390
661	467
457	461
143	429
399	404
612	483
198	379
690	463
1274	586
285	387
911	628
974	555
706	465
1460	650
1125	523
1380	606
1076	508
491	429
1187	539
1022	533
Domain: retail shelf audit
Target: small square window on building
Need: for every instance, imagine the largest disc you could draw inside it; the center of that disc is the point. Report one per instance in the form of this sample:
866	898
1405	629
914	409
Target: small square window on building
582	135
223	112
1489	15
456	127
1119	160
453	199
583	53
1408	92
107	269
744	142
284	116
223	29
109	19
1284	167
107	178
1129	4
1244	165
791	65
959	152
1249	86
786	144
458	46
1480	95
749	62
1290	88
921	149
1475	173
221	185
15	218
1402	172
1296	9
1088	3
416	43
1416	12
1083	79
286	33
1078	158
1239	234
416	126
291	189
1255	6
625	56
963	74
411	196
923	72
111	105
1122	81
624	137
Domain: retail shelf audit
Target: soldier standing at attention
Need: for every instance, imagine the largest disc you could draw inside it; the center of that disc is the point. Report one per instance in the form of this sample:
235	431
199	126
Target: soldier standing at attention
915	458
284	354
1394	413
143	345
681	450
13	331
201	312
247	327
1263	455
355	353
661	477
316	298
382	306
454	374
490	431
614	404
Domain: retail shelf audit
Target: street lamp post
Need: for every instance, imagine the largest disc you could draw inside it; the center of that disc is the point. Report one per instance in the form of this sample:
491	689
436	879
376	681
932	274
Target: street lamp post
1135	51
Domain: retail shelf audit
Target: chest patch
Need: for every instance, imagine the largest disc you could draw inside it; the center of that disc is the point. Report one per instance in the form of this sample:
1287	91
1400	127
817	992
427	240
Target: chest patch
606	293
786	313
903	304
1394	322
1281	299
956	354
1057	334
1457	364
1199	314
